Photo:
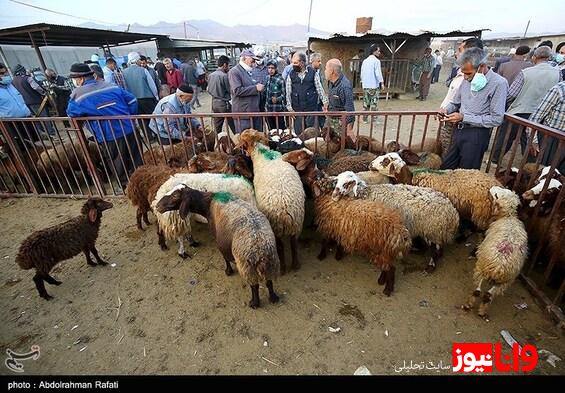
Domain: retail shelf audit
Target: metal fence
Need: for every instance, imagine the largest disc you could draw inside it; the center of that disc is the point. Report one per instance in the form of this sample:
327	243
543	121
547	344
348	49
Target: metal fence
60	157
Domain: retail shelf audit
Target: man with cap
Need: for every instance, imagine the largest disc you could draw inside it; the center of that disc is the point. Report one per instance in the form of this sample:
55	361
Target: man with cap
245	91
260	74
116	137
30	90
372	79
503	59
140	83
174	129
512	68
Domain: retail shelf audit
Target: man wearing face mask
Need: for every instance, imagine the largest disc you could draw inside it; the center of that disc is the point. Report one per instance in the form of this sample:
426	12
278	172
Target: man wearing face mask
12	103
245	91
175	128
477	107
261	74
117	137
303	89
560	58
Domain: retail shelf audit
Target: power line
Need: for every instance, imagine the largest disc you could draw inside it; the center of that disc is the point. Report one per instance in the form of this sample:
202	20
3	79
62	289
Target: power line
61	13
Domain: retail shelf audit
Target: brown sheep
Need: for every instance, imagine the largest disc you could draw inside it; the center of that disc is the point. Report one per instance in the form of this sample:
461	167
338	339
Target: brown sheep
218	162
243	234
351	163
173	155
45	248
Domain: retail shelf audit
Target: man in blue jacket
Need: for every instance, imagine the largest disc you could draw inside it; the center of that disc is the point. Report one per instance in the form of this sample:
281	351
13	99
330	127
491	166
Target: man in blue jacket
116	137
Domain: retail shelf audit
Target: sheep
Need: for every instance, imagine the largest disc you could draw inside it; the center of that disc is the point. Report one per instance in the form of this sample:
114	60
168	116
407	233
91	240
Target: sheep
427	214
502	253
45	248
359	225
467	189
351	163
175	154
218	162
243	234
279	192
142	187
170	226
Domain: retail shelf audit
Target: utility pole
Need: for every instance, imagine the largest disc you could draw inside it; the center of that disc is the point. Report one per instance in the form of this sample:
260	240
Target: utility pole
525	32
310	15
184	29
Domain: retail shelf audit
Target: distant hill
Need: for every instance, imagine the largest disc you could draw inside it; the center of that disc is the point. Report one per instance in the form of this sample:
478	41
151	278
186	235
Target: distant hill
208	29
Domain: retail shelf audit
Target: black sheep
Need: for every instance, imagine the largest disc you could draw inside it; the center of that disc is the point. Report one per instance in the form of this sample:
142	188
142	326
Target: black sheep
45	248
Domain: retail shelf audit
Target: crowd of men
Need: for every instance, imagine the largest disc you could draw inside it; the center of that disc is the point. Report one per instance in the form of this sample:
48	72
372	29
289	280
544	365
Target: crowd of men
529	84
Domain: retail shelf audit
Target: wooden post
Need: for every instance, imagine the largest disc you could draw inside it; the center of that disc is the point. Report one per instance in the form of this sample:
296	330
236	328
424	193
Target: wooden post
38	53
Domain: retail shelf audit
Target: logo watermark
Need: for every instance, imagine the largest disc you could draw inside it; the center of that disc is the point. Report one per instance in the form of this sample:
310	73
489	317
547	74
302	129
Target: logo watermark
12	362
486	357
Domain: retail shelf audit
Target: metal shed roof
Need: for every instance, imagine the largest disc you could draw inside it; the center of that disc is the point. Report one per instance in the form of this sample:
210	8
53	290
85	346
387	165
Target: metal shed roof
170	43
373	34
45	34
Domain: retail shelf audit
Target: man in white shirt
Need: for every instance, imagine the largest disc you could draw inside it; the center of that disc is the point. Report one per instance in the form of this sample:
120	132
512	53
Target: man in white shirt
371	79
437	68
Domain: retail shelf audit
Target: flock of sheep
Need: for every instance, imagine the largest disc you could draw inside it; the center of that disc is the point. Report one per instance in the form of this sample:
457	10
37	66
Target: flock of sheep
371	204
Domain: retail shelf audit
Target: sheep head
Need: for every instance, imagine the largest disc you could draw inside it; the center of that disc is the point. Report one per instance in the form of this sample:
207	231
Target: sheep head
505	201
249	138
300	159
348	183
389	164
238	165
94	207
409	157
553	190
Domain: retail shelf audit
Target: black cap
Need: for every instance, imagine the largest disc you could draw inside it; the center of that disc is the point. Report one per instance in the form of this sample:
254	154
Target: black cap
79	70
186	88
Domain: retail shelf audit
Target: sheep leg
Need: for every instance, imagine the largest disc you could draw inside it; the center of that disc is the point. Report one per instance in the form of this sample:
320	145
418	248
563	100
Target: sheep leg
182	253
229	269
254	302
486	301
323	250
382	278
88	259
280	251
273	297
146	218
389	286
138	216
437	253
162	241
473	298
294	251
339	252
98	259
191	241
40	285
50	280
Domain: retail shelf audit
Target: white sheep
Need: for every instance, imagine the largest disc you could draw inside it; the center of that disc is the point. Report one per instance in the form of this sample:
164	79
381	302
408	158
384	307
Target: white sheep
426	213
278	191
502	253
171	226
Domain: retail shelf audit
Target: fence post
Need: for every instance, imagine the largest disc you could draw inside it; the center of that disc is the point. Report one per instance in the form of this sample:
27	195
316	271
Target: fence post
16	152
84	146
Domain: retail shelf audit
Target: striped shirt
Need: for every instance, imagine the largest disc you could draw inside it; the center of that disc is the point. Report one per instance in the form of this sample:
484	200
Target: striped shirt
484	108
551	110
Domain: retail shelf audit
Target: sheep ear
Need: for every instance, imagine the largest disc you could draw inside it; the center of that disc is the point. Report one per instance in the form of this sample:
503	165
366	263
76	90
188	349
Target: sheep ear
316	190
184	208
92	214
302	164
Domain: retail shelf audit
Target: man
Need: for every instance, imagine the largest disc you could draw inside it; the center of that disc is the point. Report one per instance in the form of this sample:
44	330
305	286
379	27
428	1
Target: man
303	89
340	93
426	63
190	77
174	129
161	70
477	107
112	74
504	59
62	87
116	137
371	79
446	131
245	91
316	61
438	63
560	58
275	96
551	113
30	90
355	65
511	68
219	89
173	76
12	105
525	95
316	64
288	68
145	64
200	77
140	83
260	74
98	73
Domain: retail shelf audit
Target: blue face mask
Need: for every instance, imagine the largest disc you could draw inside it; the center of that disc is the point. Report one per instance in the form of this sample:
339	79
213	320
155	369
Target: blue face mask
559	58
479	82
6	80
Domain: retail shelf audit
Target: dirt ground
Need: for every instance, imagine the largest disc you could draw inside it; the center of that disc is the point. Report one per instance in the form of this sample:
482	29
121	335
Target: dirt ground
186	317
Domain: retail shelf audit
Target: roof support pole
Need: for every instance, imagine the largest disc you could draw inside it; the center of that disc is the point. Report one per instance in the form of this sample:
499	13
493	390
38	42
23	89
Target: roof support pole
393	50
5	61
38	53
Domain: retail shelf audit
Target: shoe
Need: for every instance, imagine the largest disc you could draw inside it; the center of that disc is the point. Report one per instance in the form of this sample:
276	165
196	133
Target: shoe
418	98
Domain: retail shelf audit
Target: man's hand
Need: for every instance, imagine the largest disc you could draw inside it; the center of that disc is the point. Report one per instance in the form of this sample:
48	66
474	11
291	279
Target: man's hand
260	87
534	149
325	108
441	114
455	117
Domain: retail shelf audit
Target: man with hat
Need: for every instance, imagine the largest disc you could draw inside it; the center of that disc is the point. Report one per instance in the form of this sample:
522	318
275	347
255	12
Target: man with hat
117	137
175	128
245	91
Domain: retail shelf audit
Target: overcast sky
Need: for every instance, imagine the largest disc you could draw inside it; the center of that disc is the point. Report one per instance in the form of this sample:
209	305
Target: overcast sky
328	15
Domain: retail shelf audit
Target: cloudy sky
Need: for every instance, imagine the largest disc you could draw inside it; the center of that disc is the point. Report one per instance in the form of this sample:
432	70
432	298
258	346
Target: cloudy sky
328	15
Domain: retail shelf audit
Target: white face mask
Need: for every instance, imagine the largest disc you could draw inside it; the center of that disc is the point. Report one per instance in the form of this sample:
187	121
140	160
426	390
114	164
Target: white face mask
75	82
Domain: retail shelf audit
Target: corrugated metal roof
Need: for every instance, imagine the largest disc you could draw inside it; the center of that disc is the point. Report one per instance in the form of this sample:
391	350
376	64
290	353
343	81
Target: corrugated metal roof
379	34
167	43
46	34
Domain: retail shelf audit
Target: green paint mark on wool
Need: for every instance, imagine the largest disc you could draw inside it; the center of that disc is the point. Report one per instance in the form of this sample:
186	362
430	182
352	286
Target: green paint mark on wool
223	197
427	170
268	153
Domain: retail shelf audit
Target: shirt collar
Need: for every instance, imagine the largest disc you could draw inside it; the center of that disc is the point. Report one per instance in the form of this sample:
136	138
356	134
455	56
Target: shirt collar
337	82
